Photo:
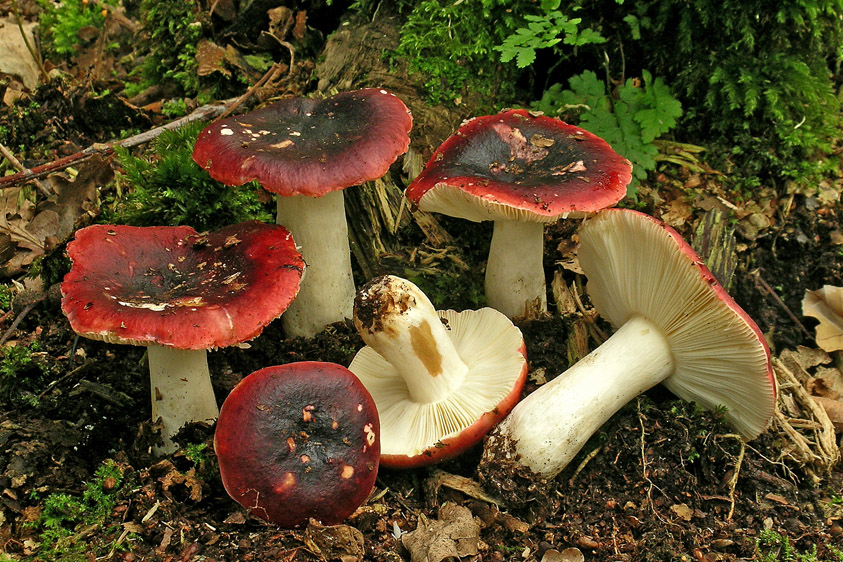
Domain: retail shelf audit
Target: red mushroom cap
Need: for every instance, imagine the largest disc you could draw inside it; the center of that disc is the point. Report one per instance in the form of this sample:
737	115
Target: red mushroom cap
303	146
298	441
516	159
172	286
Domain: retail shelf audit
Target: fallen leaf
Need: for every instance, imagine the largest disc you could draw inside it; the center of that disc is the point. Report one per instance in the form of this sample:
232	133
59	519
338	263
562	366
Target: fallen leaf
455	534
834	410
210	58
15	58
682	511
334	542
567	555
826	305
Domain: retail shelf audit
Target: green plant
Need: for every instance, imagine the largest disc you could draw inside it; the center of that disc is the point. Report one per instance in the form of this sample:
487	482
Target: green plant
546	30
20	371
62	21
771	546
756	78
195	453
450	46
7	293
168	188
629	120
63	514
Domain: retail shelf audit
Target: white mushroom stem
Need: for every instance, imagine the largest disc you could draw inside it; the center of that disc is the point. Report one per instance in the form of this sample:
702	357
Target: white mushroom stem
515	283
410	336
180	385
326	294
549	427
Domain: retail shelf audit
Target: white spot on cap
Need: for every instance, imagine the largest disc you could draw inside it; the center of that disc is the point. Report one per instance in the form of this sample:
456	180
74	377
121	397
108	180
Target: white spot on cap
226	132
370	434
347	471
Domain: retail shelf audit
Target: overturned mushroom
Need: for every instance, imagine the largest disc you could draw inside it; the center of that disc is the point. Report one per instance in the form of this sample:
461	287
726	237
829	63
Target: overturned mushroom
441	380
675	325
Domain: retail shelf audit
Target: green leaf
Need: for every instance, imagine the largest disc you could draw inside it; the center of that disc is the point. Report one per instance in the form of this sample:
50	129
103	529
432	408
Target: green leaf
525	57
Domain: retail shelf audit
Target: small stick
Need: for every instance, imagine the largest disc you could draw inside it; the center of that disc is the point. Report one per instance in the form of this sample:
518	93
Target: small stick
733	481
269	73
44	75
18	165
18	319
760	280
203	113
584	462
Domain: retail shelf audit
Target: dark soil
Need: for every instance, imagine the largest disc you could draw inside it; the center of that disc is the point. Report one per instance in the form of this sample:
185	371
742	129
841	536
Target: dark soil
661	481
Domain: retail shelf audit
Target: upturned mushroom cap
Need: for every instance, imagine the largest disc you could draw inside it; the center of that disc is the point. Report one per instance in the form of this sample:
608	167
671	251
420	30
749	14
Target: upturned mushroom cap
299	441
638	266
303	146
520	165
175	287
441	379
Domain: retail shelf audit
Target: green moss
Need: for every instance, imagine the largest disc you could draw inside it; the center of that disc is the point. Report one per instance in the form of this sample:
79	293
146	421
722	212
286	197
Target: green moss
450	46
168	188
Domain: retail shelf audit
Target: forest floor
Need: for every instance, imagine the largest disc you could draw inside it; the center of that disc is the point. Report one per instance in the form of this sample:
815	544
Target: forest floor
660	481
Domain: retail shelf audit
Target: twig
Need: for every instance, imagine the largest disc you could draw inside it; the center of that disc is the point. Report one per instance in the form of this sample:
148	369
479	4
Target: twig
21	168
264	79
582	464
61	379
44	75
760	280
18	319
239	101
203	113
733	481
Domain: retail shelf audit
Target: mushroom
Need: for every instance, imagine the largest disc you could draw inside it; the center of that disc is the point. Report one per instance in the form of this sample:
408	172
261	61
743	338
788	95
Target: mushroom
179	293
306	151
441	380
675	325
299	441
520	170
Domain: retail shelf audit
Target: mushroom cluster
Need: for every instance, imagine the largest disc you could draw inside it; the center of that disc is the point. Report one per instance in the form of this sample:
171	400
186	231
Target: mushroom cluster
305	440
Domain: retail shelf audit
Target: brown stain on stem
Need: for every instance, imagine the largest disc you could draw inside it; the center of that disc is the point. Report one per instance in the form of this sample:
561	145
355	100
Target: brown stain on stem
424	346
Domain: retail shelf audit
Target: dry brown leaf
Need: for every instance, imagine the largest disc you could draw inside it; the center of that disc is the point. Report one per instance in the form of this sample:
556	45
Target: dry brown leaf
15	58
682	511
334	542
826	305
834	409
455	534
210	58
678	213
567	555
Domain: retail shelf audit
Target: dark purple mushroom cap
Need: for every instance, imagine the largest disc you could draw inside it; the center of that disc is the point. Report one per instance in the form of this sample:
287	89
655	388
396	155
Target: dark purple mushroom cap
303	146
298	441
171	286
520	165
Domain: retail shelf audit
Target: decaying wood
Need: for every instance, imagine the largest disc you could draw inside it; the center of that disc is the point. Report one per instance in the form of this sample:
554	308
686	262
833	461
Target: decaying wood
812	444
377	210
714	241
